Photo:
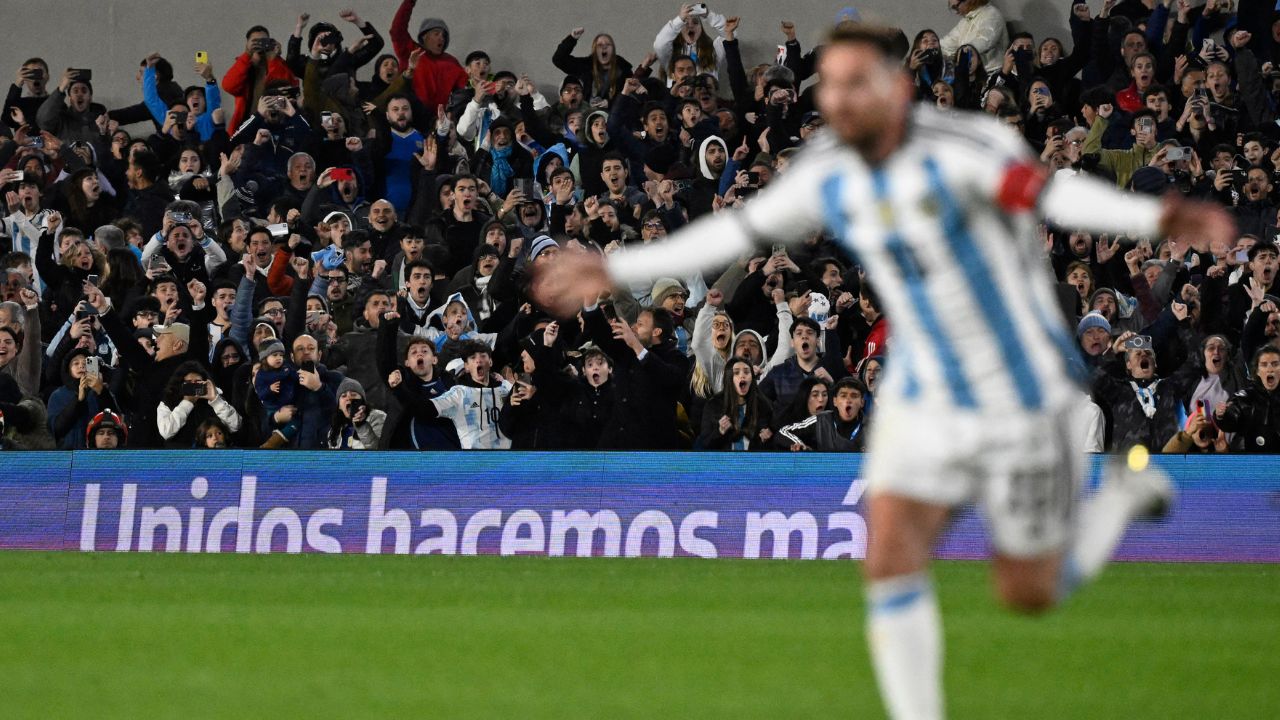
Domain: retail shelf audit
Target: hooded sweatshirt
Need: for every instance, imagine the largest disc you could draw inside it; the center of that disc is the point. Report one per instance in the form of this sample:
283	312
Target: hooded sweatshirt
434	329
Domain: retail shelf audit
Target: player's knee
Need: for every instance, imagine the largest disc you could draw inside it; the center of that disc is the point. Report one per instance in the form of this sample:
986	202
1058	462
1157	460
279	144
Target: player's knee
1027	598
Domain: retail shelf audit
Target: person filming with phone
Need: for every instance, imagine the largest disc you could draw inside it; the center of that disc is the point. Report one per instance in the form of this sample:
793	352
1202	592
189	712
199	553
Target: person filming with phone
191	398
83	394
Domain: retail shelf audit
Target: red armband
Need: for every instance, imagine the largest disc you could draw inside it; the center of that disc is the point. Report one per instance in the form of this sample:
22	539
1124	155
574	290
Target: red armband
1021	185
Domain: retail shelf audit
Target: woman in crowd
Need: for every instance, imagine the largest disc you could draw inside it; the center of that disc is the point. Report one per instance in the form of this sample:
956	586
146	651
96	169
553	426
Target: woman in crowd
737	417
189	399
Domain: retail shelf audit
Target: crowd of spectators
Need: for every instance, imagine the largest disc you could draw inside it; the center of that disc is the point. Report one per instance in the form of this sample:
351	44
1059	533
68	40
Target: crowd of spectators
341	260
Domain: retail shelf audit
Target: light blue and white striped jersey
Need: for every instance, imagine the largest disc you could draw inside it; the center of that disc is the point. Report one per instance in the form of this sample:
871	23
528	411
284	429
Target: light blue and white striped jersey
474	412
974	324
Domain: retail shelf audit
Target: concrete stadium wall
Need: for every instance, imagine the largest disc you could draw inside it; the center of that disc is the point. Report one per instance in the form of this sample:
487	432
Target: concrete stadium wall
112	36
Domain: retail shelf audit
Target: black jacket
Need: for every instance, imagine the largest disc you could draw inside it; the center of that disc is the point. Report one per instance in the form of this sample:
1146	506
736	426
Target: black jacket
1253	414
644	413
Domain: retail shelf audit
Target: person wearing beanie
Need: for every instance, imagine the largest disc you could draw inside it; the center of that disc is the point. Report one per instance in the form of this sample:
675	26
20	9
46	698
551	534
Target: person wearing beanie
356	425
106	431
1093	333
276	385
437	73
543	249
325	56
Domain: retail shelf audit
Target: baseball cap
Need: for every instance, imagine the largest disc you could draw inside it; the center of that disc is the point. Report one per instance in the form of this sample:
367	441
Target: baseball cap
181	331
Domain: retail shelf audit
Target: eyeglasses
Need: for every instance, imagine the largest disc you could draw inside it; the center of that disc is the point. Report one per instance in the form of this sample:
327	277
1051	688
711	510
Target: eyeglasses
655	226
335	278
274	312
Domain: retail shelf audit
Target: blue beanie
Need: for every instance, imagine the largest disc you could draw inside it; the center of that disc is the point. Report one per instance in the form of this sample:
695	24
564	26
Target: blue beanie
541	244
1092	320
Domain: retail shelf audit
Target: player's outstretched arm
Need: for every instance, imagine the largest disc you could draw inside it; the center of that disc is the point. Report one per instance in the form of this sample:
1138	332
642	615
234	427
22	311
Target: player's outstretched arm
1093	205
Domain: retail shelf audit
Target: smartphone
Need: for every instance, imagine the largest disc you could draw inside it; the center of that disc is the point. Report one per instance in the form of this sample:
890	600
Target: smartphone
35	142
1242	257
278	230
525	186
610	312
753	178
180	116
193	389
326	120
1041	91
85	312
93	280
1174	154
1147	124
180	217
1210	46
340	174
1138	342
158	262
779	249
698	10
18	175
309	366
92	365
84	74
202	57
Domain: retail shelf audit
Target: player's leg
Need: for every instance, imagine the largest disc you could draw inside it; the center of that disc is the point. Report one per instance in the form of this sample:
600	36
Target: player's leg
1025	584
1130	490
904	628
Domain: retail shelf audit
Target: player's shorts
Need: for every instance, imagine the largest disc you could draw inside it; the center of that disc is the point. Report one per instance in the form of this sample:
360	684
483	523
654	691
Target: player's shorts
1021	469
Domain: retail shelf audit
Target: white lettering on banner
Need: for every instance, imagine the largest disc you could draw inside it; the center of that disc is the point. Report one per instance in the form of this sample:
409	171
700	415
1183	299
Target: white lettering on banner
446	543
482	520
152	519
280	517
380	519
195	526
584	525
553	531
124	535
89	518
241	515
316	538
513	543
657	521
781	527
689	540
856	546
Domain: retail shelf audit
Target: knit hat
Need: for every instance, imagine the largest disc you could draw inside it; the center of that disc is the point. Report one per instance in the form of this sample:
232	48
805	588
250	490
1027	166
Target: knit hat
1149	181
430	24
664	288
107	419
541	244
1093	299
350	384
269	348
1092	320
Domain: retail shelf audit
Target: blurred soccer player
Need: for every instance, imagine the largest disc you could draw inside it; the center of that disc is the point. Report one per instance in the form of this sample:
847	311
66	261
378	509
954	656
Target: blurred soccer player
941	212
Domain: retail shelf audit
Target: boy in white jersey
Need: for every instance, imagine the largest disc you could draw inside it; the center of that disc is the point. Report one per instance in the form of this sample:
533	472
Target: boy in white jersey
938	209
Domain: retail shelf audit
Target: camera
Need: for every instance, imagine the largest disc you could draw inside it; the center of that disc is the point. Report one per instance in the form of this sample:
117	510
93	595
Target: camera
83	313
1138	342
264	44
180	117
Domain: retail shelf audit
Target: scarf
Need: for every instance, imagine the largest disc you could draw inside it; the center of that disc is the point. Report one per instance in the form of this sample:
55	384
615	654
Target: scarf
500	175
1146	397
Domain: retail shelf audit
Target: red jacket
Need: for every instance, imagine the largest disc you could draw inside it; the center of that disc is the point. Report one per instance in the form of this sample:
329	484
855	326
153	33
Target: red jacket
436	76
1129	99
239	82
876	340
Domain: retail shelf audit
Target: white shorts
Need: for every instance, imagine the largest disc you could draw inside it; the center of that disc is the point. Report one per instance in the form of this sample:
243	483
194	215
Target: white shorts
1023	469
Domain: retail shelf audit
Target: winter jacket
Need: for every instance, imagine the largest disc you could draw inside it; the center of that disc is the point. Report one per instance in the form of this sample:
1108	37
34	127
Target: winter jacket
1253	414
824	432
435	75
241	81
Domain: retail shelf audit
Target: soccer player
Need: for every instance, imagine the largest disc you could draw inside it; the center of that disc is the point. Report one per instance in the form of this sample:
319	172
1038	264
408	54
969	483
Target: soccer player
940	209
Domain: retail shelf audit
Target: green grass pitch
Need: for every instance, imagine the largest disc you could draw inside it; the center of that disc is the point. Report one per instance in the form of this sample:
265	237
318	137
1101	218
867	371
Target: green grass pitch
115	636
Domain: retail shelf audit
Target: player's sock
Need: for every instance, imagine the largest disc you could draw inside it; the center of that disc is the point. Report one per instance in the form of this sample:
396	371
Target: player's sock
904	630
1123	496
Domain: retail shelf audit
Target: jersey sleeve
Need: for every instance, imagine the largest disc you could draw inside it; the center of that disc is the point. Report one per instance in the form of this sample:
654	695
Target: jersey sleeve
788	210
1018	183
